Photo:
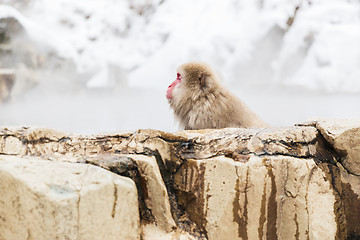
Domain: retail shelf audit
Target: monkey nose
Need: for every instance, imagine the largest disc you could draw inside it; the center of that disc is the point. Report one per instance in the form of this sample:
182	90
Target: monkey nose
168	95
171	85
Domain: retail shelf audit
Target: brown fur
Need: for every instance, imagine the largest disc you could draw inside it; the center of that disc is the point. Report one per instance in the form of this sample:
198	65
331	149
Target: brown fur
200	101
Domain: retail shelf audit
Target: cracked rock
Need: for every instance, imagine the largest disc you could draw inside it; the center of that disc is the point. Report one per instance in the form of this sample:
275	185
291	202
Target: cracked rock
298	182
264	198
344	136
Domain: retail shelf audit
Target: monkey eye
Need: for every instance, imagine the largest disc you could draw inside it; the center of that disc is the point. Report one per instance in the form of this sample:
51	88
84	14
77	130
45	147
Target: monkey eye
179	76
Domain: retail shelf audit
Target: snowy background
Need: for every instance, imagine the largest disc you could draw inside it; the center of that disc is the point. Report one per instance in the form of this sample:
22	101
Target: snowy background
90	66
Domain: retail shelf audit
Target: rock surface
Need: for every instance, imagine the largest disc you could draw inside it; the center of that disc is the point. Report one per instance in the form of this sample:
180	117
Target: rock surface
297	182
58	200
344	136
263	198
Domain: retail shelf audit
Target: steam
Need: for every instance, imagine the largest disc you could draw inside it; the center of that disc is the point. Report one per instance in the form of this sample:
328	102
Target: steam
98	66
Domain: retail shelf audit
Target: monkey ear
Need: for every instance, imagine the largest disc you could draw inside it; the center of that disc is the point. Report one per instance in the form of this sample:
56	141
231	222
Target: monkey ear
202	80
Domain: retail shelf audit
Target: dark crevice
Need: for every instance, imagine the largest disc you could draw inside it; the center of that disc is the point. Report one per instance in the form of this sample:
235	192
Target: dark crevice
113	212
351	204
37	141
290	143
346	206
175	140
180	216
325	152
246	155
126	167
353	237
6	154
283	155
107	138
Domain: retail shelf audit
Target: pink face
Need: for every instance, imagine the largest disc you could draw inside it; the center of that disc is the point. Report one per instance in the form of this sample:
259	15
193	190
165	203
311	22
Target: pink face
172	86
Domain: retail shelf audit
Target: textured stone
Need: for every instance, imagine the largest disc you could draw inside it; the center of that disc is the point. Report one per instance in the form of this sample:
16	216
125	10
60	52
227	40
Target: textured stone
344	136
144	170
152	232
41	199
264	198
344	172
157	199
279	183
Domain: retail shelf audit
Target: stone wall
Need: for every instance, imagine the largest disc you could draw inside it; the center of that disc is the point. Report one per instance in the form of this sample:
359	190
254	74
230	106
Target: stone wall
300	182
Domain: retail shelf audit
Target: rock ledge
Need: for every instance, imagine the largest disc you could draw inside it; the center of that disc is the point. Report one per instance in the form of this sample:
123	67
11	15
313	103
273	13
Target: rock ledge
300	182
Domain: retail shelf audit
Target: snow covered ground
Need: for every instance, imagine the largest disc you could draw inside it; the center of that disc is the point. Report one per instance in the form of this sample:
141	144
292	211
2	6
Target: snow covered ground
288	65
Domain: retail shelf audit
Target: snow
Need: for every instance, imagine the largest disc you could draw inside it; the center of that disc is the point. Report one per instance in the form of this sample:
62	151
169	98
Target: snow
146	35
315	60
329	35
38	32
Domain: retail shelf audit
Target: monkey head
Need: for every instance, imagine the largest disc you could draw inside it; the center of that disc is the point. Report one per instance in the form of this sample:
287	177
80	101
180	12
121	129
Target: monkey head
192	92
193	77
200	101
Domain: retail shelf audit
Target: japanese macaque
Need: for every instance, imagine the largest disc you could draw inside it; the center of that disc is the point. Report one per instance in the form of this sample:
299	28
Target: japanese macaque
200	101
